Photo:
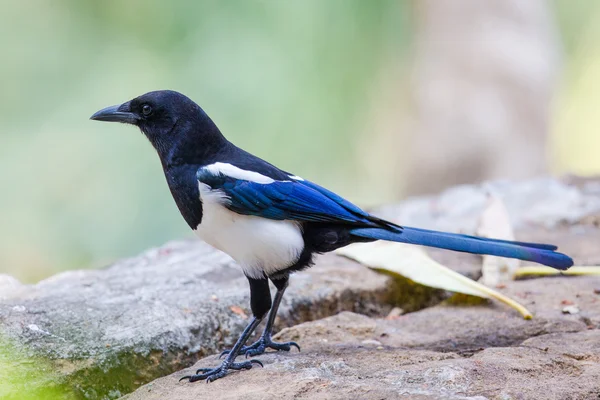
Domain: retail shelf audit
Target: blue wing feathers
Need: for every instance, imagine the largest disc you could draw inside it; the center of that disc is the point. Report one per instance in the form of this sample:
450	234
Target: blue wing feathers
302	200
338	199
298	200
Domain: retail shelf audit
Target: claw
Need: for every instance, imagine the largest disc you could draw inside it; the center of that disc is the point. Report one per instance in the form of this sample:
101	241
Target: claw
190	378
214	377
263	343
294	344
259	347
224	353
212	374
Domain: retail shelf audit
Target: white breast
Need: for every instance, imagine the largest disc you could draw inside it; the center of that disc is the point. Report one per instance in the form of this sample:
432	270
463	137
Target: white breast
261	246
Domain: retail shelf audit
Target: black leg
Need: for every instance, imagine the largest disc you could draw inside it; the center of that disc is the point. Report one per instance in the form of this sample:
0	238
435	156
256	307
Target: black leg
265	341
260	302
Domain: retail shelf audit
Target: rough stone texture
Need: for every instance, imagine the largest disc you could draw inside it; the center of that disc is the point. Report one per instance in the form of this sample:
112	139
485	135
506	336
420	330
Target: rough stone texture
108	331
543	202
104	333
449	352
476	352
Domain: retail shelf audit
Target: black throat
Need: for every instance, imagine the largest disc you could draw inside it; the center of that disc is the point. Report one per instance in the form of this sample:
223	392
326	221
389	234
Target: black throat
183	148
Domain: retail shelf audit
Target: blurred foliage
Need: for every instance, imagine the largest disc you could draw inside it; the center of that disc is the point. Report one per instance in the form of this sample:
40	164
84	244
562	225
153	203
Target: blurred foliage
26	378
282	79
576	121
290	81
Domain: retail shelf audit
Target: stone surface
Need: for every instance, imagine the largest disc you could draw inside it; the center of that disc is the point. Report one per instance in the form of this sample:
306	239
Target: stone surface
467	329
101	334
543	202
476	352
446	351
105	332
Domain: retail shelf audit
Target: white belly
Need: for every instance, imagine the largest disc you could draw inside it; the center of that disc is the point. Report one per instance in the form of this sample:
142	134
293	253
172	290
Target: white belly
261	246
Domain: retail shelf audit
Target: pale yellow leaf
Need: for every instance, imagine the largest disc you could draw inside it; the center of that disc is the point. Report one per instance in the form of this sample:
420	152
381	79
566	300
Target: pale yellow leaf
539	270
412	262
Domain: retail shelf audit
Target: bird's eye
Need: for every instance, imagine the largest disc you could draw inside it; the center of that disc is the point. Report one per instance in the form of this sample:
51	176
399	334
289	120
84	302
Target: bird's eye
146	110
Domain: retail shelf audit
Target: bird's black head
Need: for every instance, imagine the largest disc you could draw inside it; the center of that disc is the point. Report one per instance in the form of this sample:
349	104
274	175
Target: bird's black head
176	126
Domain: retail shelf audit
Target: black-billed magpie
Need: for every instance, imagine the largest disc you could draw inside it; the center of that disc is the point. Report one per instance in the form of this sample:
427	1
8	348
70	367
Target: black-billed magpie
270	221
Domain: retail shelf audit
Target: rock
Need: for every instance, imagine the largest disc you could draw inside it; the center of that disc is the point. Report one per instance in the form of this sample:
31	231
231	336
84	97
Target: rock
337	362
570	310
486	351
544	202
395	313
468	328
102	333
545	296
8	285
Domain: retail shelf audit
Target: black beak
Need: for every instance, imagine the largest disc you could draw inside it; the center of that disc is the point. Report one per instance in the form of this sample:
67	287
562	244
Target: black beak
121	113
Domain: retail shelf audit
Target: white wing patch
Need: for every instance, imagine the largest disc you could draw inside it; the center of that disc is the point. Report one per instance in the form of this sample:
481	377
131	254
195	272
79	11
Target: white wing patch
261	246
238	173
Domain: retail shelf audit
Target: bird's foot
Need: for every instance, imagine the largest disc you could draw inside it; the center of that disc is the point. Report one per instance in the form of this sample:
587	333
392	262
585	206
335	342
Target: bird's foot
212	374
261	345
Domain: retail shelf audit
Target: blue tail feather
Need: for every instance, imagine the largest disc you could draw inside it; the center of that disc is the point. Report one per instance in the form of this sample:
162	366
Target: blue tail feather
526	244
539	253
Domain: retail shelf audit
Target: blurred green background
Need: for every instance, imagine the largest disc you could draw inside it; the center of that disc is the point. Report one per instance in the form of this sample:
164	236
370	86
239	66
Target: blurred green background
300	83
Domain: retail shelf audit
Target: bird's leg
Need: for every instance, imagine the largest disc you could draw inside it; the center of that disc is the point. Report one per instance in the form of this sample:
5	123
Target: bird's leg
265	341
260	302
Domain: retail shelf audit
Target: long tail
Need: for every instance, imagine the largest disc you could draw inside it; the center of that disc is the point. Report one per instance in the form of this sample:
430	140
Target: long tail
539	253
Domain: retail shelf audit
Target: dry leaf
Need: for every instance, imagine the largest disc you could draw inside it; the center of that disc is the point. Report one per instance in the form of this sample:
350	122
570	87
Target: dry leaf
412	262
539	270
238	310
495	223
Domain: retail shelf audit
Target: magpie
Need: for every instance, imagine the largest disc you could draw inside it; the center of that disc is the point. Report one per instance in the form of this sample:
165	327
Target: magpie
269	221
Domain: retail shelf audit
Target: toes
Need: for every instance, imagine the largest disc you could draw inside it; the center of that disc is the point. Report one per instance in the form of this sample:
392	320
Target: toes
216	376
209	375
201	373
246	365
203	370
255	352
283	346
212	374
195	378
